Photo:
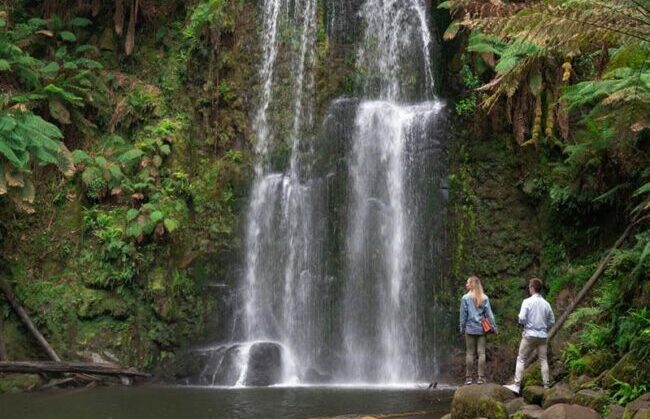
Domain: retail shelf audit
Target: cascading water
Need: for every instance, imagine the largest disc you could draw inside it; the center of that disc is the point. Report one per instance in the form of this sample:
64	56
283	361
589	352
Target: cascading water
341	247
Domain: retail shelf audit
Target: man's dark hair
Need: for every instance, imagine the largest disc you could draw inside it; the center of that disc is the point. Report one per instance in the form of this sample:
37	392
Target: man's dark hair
536	283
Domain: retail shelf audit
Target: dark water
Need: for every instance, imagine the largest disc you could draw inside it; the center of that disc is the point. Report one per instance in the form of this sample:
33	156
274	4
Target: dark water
152	402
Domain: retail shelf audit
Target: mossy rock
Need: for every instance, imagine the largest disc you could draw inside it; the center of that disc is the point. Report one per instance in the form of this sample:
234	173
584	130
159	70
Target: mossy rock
533	394
580	382
15	383
597	362
636	413
96	303
560	393
639	408
614	411
529	411
628	369
515	404
487	400
596	399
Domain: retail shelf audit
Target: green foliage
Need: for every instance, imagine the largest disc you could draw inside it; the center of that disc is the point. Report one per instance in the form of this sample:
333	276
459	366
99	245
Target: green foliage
26	138
55	79
623	90
613	323
625	393
536	52
209	15
634	333
572	357
468	104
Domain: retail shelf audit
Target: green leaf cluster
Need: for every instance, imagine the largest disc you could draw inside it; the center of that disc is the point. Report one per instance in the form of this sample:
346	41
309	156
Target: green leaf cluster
48	76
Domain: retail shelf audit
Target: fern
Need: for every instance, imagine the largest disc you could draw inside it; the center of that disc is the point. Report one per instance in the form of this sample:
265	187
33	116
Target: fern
582	314
624	90
26	138
57	84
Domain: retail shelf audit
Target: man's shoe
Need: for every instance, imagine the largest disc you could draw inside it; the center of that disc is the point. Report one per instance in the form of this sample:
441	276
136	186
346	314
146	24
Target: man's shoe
513	387
480	380
468	381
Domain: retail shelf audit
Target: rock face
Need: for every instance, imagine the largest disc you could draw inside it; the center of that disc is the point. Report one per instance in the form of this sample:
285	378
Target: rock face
264	364
485	401
569	411
560	393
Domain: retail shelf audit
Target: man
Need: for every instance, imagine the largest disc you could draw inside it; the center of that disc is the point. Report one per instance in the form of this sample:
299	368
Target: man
536	316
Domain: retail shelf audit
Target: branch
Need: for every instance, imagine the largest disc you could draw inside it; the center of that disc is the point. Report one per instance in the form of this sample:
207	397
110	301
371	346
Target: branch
4	286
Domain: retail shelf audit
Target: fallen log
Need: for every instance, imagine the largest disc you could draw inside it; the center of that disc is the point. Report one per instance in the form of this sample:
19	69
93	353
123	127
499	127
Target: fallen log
38	367
4	286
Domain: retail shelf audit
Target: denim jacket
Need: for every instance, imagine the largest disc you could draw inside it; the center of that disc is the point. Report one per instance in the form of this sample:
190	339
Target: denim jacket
471	316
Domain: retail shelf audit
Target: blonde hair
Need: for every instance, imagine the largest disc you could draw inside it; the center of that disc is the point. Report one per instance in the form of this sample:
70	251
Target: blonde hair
477	290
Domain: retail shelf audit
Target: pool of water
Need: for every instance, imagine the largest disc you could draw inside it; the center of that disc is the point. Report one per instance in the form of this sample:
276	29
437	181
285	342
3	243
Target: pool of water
161	402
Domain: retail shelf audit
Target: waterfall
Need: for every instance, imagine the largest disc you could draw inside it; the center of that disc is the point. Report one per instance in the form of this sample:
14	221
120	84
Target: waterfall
381	336
343	241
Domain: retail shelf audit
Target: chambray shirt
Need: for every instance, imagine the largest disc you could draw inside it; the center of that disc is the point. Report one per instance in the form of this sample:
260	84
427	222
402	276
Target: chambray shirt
536	316
471	316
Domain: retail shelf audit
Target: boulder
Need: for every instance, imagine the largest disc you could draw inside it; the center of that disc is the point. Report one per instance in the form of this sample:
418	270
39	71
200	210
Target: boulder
641	402
560	393
515	404
530	411
264	364
596	399
615	411
643	413
569	411
639	408
487	400
224	366
533	394
581	381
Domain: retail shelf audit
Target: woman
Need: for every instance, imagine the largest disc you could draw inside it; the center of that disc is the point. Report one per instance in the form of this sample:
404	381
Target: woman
473	307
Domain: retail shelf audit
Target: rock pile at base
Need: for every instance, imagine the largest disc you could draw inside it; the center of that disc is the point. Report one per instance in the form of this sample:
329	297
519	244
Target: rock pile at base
493	401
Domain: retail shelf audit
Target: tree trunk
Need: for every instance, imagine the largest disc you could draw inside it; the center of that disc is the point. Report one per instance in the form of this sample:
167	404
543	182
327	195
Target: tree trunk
38	367
27	320
3	351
